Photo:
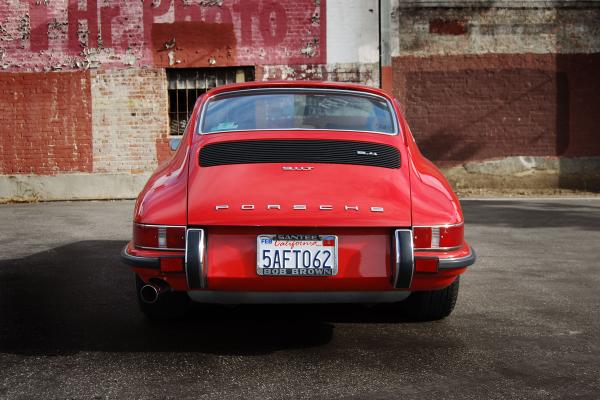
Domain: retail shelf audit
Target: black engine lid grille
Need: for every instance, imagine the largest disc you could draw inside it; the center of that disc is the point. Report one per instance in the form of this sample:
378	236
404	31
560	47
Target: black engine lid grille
300	151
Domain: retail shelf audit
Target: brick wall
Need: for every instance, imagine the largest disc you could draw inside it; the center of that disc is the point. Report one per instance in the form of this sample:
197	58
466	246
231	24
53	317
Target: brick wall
475	107
45	123
129	113
116	121
80	34
83	83
364	73
84	88
503	27
487	82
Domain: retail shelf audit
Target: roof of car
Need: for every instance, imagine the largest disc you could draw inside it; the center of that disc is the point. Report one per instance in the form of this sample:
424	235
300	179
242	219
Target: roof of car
298	84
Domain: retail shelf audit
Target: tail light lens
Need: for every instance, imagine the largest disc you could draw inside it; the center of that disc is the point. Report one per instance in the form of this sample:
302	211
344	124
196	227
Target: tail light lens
159	237
438	237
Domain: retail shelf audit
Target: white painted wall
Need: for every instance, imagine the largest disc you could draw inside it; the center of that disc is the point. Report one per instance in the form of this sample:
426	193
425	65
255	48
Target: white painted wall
352	31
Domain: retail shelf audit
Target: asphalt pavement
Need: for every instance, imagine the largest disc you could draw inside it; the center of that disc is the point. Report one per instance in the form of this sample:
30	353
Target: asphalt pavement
526	325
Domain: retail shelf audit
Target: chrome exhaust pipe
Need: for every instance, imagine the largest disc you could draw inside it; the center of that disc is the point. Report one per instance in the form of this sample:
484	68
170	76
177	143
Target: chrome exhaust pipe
150	293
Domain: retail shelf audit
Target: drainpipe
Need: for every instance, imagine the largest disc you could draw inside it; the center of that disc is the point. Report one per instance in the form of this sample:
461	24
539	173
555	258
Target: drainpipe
385	56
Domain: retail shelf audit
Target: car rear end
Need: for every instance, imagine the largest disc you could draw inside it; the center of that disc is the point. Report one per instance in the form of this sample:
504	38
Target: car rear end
296	214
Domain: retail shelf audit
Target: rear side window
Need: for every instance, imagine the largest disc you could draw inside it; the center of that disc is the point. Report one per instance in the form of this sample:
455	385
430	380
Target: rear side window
278	109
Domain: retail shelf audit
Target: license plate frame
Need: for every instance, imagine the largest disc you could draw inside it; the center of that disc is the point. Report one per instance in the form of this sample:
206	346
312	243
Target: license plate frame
301	243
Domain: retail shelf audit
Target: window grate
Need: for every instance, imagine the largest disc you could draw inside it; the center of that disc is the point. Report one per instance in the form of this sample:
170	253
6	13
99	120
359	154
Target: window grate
186	85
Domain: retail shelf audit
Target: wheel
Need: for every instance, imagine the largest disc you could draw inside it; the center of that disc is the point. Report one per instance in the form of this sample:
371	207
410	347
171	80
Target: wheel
431	305
170	305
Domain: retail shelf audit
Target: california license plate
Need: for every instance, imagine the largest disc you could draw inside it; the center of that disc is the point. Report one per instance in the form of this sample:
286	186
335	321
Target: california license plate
296	255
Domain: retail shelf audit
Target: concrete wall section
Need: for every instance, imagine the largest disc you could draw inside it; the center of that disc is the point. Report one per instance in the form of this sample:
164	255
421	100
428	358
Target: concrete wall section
491	29
354	36
71	186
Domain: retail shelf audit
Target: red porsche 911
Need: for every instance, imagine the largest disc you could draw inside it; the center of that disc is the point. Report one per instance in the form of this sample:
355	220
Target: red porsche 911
298	192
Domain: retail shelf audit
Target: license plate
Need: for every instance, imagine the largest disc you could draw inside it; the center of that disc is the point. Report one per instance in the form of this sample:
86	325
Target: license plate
296	255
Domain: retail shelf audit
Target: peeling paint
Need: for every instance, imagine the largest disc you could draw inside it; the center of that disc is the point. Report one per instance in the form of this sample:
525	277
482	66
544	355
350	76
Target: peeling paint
45	35
203	3
211	3
311	48
24	28
57	29
4	34
359	73
458	30
315	19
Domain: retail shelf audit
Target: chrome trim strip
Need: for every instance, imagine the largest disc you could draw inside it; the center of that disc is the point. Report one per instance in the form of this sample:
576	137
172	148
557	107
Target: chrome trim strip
158	248
222	297
438	248
396	259
439	226
195	263
158	225
435	237
355	92
162	237
404	258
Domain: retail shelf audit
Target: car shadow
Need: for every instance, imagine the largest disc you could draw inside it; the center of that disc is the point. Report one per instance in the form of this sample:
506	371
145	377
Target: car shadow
79	297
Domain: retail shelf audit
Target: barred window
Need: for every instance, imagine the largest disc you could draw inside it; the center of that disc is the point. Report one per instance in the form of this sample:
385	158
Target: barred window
185	85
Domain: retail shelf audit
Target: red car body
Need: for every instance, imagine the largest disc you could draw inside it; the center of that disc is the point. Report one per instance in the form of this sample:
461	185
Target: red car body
372	211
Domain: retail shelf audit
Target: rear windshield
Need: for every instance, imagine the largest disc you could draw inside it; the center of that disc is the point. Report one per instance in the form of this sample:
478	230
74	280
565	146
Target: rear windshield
297	109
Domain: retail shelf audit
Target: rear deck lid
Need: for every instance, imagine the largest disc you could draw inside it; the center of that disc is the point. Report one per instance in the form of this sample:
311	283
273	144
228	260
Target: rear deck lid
297	182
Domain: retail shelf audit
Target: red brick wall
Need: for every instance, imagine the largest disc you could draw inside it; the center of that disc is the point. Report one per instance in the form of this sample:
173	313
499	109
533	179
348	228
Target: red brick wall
474	107
45	123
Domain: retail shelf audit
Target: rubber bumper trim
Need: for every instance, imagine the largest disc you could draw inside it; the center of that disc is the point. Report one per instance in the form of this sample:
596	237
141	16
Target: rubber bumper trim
462	262
139	262
227	297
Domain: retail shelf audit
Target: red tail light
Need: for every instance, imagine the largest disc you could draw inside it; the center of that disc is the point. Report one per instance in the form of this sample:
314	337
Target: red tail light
159	237
438	237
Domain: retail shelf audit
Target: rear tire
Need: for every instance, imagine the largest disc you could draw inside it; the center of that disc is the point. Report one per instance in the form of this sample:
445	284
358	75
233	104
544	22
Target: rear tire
171	305
431	305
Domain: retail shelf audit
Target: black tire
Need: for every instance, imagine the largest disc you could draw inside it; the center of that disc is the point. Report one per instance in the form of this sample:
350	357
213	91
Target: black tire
171	305
431	305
